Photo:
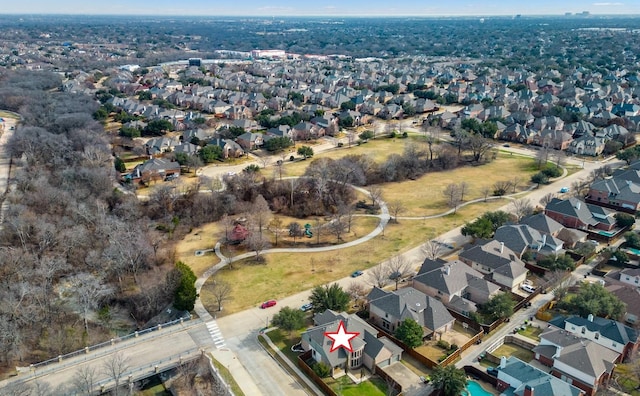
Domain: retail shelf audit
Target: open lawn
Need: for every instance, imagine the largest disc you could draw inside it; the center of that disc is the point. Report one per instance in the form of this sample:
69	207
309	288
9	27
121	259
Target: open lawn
424	197
379	149
200	238
284	274
345	387
513	350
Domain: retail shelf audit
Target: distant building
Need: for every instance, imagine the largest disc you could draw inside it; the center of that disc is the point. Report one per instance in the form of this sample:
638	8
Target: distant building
268	54
195	62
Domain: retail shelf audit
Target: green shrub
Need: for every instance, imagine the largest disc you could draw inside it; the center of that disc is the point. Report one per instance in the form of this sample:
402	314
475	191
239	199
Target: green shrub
321	369
443	344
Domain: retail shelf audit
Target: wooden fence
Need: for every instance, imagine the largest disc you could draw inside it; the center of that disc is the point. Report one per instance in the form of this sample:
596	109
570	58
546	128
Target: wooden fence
302	363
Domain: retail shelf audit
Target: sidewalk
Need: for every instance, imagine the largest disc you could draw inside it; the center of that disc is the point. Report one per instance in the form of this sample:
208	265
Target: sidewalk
292	366
236	369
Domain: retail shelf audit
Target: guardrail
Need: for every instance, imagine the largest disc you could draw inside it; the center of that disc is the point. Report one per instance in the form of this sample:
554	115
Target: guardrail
114	341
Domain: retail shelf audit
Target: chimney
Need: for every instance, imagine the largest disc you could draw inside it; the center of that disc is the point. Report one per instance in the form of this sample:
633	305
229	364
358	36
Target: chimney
528	390
578	205
501	247
590	318
503	362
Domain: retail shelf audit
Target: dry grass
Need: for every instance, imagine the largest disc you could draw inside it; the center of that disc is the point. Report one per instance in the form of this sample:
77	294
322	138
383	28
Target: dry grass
200	238
513	350
284	274
423	197
379	149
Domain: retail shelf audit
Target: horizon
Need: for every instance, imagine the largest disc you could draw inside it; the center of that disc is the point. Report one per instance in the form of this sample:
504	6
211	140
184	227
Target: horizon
354	8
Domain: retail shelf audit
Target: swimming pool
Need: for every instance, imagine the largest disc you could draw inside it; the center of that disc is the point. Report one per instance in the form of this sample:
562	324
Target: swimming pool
475	389
633	251
607	233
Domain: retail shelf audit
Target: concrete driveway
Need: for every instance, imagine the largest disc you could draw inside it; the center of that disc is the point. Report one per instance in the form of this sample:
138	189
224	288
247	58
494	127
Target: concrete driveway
410	381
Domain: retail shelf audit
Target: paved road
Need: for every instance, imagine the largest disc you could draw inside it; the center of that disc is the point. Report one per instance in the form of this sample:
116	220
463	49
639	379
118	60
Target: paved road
5	161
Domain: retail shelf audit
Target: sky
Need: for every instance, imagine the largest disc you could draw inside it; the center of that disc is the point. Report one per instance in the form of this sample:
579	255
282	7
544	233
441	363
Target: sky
336	8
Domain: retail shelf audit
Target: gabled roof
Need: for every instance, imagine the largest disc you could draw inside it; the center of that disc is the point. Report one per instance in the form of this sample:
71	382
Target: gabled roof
454	280
411	303
607	328
491	254
543	383
572	207
542	223
579	353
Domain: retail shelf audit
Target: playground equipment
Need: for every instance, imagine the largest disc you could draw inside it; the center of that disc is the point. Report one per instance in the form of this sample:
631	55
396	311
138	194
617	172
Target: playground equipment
307	230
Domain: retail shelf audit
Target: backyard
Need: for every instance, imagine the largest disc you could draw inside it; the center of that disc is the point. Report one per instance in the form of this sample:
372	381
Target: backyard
507	350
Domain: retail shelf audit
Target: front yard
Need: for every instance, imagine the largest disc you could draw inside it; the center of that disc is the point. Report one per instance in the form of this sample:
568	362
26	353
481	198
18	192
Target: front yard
343	386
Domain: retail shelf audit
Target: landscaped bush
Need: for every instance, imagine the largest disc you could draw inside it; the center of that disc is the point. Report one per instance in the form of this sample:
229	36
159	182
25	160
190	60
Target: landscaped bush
552	171
453	347
321	369
443	344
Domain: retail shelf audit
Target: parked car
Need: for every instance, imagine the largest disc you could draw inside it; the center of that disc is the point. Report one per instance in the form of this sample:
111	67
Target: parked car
268	304
564	190
356	274
306	307
528	288
172	176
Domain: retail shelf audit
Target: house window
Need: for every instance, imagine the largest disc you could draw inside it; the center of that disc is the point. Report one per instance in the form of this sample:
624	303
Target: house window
356	359
385	324
597	336
584	330
573	327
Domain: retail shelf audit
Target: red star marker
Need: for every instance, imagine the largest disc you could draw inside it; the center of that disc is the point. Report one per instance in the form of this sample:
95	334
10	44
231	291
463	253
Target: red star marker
341	338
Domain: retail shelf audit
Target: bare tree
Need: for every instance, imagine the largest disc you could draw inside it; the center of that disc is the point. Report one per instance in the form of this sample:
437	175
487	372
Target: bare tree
260	213
547	198
294	183
347	211
317	229
500	188
265	160
379	275
375	192
463	187
84	379
356	290
452	195
256	243
479	146
295	230
396	208
515	182
522	208
228	223
486	191
88	293
559	157
542	157
351	138
275	226
432	249
398	269
337	226
221	291
17	389
116	367
230	255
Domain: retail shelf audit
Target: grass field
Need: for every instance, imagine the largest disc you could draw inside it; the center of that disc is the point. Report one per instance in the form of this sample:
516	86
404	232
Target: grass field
424	197
284	274
513	350
378	149
344	386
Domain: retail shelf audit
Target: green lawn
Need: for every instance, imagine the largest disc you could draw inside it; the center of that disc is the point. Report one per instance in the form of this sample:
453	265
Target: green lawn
531	332
345	387
513	350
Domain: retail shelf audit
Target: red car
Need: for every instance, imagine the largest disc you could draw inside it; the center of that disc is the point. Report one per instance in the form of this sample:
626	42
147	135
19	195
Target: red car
268	304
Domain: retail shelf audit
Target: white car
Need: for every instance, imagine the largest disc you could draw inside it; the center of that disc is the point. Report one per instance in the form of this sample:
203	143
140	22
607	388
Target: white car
528	288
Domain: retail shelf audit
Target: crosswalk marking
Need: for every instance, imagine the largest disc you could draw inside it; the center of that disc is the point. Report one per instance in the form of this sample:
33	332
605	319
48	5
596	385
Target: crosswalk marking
215	333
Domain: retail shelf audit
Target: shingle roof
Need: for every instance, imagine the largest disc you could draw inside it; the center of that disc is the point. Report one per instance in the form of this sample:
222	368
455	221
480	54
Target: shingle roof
607	328
541	382
572	207
542	223
409	302
491	255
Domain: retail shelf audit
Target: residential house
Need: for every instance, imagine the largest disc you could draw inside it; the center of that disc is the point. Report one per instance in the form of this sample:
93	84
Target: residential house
516	377
250	141
630	295
587	145
517	133
630	276
281	131
493	258
615	193
575	213
547	225
389	309
368	350
160	145
187	148
230	149
558	140
154	169
576	360
522	238
459	287
606	332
